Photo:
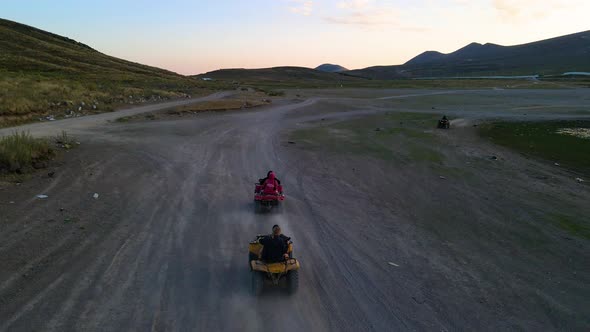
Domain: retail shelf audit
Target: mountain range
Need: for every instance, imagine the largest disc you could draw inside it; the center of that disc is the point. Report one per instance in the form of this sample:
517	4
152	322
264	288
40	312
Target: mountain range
555	56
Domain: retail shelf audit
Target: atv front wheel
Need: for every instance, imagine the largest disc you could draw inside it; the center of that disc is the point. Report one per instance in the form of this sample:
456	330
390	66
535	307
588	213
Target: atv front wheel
292	281
257	283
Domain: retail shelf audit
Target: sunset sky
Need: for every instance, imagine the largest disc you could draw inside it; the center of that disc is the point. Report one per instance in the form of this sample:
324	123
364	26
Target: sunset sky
192	37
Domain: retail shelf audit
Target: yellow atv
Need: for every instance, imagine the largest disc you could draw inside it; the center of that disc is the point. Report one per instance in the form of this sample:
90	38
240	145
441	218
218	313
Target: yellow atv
282	273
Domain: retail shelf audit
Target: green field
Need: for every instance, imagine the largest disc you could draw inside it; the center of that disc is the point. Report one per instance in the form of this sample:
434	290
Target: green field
399	137
542	140
305	78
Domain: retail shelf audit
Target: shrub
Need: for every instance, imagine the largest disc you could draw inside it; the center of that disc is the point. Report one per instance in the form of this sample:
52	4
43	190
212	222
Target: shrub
20	152
65	141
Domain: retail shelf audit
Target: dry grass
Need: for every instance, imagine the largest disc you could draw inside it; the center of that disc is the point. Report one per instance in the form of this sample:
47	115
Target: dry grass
26	99
45	75
243	100
218	105
21	152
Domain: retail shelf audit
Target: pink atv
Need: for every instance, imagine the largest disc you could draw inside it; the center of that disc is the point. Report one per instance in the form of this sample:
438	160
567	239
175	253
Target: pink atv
268	194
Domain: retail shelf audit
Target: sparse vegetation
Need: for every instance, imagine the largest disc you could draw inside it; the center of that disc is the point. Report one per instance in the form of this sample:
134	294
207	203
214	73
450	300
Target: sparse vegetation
65	141
21	153
271	93
274	79
573	226
542	139
218	105
243	100
46	75
379	136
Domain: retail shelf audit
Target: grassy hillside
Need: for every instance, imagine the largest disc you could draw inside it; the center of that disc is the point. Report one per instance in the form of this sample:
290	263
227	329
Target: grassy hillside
547	57
272	79
283	77
43	74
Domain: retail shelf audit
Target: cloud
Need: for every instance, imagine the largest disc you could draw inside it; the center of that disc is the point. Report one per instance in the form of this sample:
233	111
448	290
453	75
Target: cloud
354	4
301	7
507	9
363	18
362	12
515	10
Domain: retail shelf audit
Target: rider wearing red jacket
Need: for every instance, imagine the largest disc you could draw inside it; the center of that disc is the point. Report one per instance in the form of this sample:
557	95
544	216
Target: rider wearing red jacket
270	184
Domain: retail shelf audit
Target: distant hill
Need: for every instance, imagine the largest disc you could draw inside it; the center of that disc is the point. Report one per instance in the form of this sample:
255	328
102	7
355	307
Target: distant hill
547	57
330	68
288	76
426	57
42	73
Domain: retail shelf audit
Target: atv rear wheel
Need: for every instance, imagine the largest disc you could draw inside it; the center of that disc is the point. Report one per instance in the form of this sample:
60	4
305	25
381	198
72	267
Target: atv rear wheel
292	281
257	283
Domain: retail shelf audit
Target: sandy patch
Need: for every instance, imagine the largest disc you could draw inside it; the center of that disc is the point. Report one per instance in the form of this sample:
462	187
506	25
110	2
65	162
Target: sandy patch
577	132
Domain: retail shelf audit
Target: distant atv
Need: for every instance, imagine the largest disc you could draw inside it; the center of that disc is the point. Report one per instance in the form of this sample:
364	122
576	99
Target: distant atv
265	200
282	274
444	124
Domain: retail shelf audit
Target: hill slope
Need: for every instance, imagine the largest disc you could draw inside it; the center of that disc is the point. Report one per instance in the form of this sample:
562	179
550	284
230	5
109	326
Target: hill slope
547	57
330	68
42	73
281	76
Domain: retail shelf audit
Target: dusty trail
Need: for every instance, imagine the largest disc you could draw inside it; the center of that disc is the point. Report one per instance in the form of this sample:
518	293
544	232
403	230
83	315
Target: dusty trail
164	247
176	255
79	125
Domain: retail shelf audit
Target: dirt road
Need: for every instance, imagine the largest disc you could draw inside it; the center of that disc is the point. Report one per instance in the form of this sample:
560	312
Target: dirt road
79	125
164	245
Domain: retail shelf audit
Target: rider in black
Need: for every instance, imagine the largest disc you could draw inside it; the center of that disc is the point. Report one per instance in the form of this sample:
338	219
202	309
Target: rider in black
276	246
